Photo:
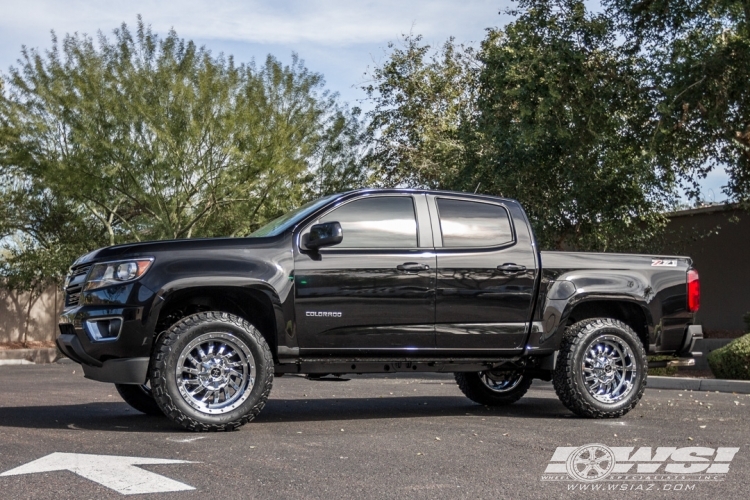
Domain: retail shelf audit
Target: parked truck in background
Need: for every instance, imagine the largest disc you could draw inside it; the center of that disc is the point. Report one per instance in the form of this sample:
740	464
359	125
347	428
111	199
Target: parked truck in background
374	281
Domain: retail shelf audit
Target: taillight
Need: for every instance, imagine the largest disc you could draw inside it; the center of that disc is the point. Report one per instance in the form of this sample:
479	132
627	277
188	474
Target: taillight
694	290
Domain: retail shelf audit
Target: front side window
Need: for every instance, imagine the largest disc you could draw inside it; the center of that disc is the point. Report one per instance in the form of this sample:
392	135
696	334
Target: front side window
286	221
377	222
466	224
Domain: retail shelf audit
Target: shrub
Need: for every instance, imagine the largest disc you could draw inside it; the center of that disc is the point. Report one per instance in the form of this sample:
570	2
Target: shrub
733	360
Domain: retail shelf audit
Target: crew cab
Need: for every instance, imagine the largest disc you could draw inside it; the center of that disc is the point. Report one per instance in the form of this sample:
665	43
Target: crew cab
374	281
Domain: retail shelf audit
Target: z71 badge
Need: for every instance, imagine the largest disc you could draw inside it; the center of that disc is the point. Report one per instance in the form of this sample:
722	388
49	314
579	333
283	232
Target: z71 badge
663	262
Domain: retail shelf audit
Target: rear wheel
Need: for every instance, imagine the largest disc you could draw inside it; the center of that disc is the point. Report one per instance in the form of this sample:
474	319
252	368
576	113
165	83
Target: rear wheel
601	368
139	397
494	387
212	371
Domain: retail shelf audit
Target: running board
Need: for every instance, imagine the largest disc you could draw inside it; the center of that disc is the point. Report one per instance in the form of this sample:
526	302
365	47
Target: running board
390	365
672	363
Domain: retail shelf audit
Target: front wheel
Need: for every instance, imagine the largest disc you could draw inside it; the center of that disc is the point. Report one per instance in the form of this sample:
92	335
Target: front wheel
494	387
601	368
212	371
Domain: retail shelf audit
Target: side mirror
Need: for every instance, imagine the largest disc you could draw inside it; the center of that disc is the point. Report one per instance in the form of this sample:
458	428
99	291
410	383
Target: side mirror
325	235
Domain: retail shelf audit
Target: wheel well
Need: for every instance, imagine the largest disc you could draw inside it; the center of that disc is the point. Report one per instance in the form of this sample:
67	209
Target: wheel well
252	305
629	313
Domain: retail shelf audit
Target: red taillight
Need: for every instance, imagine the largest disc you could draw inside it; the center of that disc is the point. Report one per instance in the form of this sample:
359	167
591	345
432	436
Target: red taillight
694	290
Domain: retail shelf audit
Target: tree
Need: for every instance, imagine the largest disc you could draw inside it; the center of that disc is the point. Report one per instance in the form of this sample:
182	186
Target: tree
141	137
422	99
697	55
550	111
562	127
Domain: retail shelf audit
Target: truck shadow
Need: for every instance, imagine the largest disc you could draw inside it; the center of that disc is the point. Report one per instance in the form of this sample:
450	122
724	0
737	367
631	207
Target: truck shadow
119	417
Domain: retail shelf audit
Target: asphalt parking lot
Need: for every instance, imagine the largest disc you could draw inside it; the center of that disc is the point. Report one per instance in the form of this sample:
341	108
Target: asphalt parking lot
369	437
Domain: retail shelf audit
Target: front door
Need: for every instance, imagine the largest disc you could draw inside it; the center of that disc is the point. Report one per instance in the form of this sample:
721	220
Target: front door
486	276
374	292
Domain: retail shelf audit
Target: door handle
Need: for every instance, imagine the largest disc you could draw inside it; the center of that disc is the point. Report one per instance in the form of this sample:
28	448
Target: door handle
509	268
412	267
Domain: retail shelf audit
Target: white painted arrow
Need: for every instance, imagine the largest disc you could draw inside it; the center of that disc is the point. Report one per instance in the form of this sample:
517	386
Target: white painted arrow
117	473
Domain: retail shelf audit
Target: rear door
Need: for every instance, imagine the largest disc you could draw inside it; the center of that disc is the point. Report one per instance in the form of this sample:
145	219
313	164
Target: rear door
486	274
375	291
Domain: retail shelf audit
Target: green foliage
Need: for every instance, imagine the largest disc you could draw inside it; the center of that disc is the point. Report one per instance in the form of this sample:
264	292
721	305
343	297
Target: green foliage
46	234
732	361
141	138
422	100
697	70
561	129
550	111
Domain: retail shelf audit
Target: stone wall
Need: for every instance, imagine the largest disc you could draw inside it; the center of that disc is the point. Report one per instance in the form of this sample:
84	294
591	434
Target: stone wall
42	324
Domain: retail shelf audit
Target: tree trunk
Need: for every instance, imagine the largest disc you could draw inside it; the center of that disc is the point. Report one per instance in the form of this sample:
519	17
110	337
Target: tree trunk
28	317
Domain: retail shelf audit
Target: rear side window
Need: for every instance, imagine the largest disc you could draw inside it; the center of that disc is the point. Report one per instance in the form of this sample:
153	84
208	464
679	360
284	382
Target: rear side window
473	224
378	222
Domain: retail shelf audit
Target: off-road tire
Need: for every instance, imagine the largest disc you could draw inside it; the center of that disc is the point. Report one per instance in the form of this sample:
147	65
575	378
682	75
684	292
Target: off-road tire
163	372
140	398
473	388
567	377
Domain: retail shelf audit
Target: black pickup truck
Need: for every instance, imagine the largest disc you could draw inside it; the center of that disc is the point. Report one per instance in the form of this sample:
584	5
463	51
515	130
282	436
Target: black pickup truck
374	281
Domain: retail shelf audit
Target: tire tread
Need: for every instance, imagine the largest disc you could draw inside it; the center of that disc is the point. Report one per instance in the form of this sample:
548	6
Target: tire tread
164	348
566	384
474	389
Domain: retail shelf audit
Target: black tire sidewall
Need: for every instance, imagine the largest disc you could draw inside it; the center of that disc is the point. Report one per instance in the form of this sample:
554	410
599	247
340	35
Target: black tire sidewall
476	390
169	378
638	354
139	398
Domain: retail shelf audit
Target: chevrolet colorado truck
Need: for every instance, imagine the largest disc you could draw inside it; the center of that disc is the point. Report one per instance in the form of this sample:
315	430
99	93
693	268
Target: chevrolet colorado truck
374	281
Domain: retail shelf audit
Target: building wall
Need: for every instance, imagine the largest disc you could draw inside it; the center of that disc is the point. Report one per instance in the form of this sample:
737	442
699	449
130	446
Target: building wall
42	320
718	240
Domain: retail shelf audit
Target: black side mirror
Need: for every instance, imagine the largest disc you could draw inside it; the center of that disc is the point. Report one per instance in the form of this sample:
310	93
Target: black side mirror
325	235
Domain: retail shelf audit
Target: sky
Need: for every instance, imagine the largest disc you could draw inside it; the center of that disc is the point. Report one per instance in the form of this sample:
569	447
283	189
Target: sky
338	38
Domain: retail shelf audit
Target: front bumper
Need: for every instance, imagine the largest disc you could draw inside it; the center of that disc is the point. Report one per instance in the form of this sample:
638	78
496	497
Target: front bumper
121	359
116	371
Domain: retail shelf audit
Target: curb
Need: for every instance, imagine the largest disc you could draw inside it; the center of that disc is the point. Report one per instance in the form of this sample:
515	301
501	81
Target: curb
28	356
12	357
682	384
699	384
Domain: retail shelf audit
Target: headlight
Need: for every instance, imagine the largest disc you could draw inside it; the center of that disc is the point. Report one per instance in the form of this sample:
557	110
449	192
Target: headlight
114	273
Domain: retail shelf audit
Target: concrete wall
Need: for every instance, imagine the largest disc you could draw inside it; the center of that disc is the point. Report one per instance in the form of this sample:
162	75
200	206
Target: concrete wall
42	321
718	240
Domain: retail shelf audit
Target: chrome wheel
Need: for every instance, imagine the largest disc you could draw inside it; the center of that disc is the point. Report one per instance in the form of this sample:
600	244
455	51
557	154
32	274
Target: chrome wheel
609	369
501	381
215	373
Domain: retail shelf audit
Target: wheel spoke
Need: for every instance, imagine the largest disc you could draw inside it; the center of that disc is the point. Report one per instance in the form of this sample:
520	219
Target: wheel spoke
216	372
201	354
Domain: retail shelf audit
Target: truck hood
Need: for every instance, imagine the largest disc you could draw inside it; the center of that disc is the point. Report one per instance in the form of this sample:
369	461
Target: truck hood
153	248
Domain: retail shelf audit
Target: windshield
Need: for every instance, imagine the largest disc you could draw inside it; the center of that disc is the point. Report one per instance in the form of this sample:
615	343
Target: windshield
289	219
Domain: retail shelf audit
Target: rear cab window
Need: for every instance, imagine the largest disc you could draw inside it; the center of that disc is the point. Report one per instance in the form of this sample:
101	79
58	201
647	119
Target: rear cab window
473	224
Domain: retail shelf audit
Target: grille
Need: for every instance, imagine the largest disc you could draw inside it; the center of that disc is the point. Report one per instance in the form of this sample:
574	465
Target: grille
74	285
